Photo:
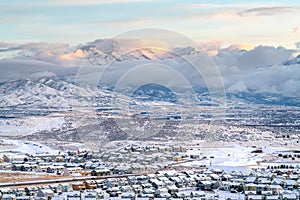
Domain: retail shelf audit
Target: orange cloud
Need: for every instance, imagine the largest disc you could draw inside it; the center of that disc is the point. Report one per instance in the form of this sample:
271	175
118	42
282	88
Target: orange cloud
295	29
240	47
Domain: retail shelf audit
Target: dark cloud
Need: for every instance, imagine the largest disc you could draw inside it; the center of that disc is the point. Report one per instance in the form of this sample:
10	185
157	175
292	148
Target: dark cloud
260	11
11	69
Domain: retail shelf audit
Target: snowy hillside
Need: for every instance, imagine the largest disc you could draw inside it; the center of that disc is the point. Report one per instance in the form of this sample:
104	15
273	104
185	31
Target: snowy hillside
45	93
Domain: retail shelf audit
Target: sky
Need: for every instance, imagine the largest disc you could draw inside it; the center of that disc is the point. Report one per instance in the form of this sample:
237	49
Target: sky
251	23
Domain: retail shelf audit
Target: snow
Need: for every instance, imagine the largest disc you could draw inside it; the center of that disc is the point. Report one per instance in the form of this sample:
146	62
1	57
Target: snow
28	125
237	87
13	146
228	158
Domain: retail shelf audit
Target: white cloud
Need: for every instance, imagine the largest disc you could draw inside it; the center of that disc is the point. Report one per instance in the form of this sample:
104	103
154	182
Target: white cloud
42	74
238	87
297	45
56	53
259	70
249	60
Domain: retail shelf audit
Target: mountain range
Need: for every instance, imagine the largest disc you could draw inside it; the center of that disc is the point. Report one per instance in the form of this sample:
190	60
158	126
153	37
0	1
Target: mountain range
30	83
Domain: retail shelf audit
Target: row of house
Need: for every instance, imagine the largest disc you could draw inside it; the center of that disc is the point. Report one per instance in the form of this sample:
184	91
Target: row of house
171	184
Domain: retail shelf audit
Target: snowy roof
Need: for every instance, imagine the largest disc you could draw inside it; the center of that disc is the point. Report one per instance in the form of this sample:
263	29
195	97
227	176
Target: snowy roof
250	179
255	197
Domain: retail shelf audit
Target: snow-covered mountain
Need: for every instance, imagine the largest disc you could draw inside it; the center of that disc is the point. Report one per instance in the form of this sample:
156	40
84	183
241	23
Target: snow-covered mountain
293	61
45	92
49	93
102	52
33	83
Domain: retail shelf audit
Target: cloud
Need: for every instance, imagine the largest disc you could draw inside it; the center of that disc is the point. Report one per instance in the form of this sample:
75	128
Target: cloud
260	56
259	70
297	44
235	47
239	86
261	11
42	74
56	53
295	30
243	67
86	2
11	69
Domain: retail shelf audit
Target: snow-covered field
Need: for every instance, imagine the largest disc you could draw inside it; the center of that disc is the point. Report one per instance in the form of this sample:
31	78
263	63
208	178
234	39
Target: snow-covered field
29	125
12	147
230	156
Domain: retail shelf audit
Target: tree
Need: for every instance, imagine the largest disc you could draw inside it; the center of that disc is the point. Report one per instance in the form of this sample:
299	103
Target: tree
23	168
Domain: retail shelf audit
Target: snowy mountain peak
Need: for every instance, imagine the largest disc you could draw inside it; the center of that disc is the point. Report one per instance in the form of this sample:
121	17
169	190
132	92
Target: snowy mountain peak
293	61
101	52
185	51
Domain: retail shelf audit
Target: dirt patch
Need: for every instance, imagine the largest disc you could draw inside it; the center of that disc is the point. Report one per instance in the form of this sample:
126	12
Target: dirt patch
6	177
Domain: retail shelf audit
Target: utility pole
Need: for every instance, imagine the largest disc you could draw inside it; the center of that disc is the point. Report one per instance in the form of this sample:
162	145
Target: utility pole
211	158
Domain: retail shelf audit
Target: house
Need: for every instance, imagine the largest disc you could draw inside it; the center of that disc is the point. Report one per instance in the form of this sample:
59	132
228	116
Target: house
226	177
254	197
23	198
66	187
277	181
225	185
215	177
74	195
290	184
186	195
172	189
236	186
31	190
89	195
101	194
260	188
137	188
162	193
177	181
217	171
293	177
72	170
250	187
45	194
204	185
291	196
90	184
177	158
8	197
56	188
156	183
128	195
275	189
271	197
263	180
114	192
78	186
101	172
250	179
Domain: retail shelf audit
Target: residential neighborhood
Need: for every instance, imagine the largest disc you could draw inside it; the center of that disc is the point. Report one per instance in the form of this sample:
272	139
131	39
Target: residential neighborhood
170	184
151	172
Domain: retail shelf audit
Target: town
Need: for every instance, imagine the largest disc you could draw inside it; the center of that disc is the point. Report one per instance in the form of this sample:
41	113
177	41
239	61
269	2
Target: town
151	172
